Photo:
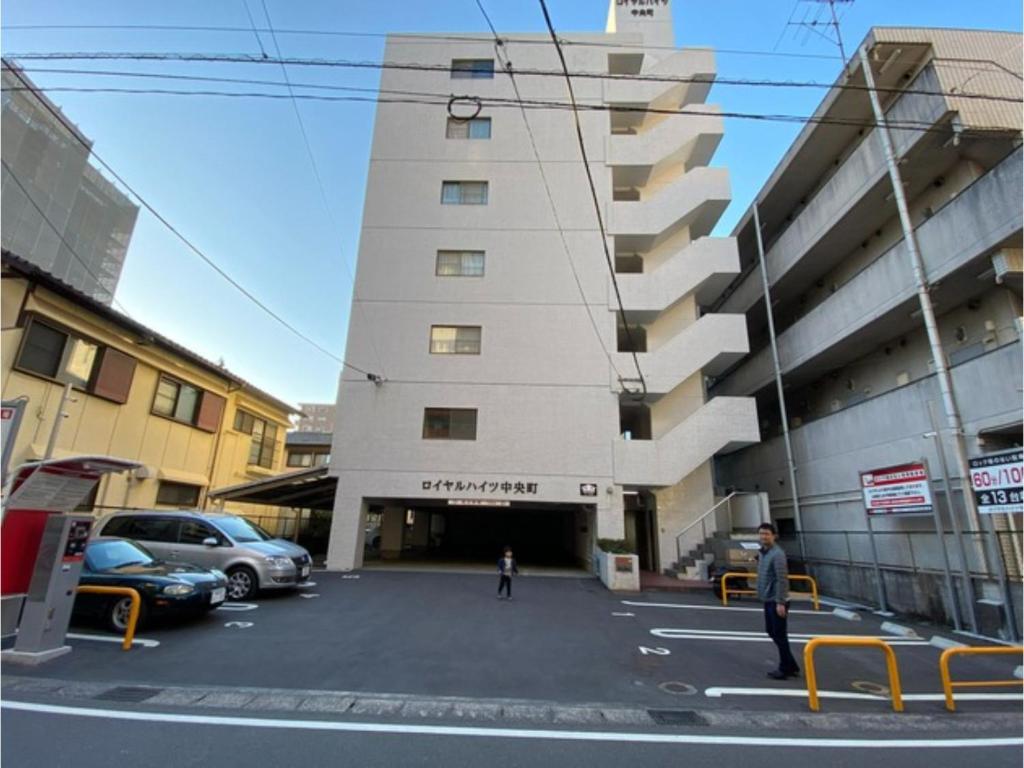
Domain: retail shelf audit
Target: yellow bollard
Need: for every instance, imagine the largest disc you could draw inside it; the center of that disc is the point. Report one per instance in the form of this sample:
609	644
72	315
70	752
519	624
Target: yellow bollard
947	655
869	642
133	615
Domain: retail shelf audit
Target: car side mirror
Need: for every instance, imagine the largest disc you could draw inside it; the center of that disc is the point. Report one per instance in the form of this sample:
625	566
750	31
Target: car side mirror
210	541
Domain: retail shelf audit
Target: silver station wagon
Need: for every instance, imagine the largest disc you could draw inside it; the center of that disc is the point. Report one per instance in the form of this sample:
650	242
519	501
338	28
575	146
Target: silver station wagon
251	557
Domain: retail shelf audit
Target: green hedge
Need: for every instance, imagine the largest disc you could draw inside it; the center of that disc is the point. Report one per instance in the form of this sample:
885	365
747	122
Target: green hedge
615	547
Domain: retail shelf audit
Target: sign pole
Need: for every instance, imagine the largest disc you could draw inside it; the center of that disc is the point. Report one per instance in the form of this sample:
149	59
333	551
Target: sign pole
954	604
997	557
878	571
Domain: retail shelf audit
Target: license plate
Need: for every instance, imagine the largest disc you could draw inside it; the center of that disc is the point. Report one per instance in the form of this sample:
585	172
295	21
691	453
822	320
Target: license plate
304	571
218	595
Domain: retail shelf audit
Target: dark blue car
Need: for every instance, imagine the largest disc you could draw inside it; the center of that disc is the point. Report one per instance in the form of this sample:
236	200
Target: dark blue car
166	589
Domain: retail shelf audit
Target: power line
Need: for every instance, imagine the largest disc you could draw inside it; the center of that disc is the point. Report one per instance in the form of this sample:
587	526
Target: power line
593	195
709	79
196	250
58	233
319	180
498	52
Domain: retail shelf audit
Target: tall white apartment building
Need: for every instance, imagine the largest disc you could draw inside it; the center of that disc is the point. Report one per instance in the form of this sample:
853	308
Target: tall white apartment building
510	409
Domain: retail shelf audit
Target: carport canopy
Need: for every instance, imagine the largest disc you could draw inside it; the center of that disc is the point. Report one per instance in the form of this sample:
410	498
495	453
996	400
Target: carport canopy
309	488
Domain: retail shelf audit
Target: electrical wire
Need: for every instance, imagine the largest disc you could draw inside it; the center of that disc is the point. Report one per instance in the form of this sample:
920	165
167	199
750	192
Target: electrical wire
507	66
60	235
198	252
597	203
701	79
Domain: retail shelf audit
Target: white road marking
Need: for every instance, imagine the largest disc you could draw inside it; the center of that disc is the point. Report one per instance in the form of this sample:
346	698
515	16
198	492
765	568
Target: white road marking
654	651
622	614
743	636
237	607
510	733
350	576
310	596
713	608
238	624
717	693
113	639
306	584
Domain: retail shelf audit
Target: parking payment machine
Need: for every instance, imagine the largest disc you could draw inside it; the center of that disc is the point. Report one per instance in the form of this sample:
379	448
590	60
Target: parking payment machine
43	546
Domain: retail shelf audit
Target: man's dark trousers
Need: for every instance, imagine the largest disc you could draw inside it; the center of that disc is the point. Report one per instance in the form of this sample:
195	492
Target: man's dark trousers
775	626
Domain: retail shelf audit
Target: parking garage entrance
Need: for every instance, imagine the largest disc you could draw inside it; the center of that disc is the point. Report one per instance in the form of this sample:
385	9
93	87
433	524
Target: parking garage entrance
455	532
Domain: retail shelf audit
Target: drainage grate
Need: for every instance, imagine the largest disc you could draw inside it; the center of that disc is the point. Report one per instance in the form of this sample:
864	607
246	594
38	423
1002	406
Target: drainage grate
676	717
128	693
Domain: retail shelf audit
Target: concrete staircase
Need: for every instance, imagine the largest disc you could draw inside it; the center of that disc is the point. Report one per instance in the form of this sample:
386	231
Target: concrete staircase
720	548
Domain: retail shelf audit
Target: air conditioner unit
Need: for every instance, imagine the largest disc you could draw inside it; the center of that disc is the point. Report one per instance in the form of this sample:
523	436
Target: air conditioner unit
143	473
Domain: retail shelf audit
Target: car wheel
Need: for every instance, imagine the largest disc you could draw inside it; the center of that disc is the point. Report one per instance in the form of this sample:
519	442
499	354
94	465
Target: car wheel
118	612
242	583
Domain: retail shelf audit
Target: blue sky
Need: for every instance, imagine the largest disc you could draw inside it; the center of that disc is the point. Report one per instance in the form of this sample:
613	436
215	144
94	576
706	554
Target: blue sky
233	174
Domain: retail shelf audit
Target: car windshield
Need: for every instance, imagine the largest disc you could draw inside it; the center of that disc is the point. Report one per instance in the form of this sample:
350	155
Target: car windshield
241	530
104	555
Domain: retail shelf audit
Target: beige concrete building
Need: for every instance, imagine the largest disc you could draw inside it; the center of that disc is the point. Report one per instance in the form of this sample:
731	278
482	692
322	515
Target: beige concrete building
135	395
509	410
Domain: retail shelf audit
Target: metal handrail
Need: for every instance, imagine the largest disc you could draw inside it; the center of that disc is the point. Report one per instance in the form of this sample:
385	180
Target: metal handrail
133	614
703	527
947	683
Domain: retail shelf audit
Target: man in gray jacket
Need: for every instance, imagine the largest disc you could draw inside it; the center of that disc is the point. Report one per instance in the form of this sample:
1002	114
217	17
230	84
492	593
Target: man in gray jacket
773	591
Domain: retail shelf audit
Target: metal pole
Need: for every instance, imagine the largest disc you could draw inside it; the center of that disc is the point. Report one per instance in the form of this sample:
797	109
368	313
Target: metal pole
954	606
57	421
794	490
879	586
958	533
989	532
923	290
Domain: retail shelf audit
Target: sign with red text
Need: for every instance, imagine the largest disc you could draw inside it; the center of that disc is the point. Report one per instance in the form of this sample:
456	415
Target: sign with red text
997	481
899	490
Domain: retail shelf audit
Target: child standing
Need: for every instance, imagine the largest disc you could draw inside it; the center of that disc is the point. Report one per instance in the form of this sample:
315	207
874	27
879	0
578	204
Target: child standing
506	569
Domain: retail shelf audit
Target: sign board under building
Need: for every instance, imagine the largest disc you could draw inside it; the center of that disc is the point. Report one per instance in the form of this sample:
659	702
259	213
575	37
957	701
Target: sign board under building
997	480
899	490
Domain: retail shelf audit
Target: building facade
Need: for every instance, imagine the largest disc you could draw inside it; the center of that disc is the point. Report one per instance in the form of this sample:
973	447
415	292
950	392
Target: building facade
509	409
860	385
135	395
58	211
316	417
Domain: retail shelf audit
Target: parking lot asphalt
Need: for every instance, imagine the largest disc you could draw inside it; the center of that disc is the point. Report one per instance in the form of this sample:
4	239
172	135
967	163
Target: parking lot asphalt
565	640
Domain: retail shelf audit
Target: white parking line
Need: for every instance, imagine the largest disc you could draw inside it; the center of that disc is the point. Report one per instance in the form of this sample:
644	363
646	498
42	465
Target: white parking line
717	693
237	607
742	636
511	733
715	608
113	639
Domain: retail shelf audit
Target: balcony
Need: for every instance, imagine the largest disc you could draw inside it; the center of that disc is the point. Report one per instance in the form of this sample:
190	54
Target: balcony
690	140
695	200
710	345
696	64
705	266
722	424
876	304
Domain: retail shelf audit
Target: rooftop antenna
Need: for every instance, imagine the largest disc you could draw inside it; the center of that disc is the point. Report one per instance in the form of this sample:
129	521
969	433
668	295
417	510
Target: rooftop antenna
820	18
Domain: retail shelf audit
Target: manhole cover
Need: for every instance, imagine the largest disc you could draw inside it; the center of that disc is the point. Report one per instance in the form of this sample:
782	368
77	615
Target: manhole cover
677	688
128	693
676	717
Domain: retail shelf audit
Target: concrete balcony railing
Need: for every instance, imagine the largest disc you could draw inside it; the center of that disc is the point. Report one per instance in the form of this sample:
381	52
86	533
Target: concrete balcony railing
695	199
705	266
722	424
689	139
695	68
860	173
966	229
710	345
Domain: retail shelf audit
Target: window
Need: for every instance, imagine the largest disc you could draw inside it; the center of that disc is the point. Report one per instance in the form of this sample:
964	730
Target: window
455	340
472	69
464	193
307	459
62	356
176	400
460	263
474	128
264	438
449	424
196	532
177	494
146	528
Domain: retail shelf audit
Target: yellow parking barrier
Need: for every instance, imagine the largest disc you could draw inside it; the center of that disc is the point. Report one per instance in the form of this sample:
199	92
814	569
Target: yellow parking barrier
869	642
133	614
812	595
947	683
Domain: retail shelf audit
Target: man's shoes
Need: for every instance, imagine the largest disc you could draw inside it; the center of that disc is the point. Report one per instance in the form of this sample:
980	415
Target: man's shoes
776	675
793	673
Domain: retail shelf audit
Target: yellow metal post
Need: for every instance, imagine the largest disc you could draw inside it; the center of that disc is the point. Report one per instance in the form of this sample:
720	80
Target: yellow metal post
947	683
133	614
744	575
869	642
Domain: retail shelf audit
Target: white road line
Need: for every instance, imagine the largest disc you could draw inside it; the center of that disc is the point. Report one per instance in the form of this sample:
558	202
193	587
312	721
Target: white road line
113	639
743	636
717	693
714	608
626	613
511	733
